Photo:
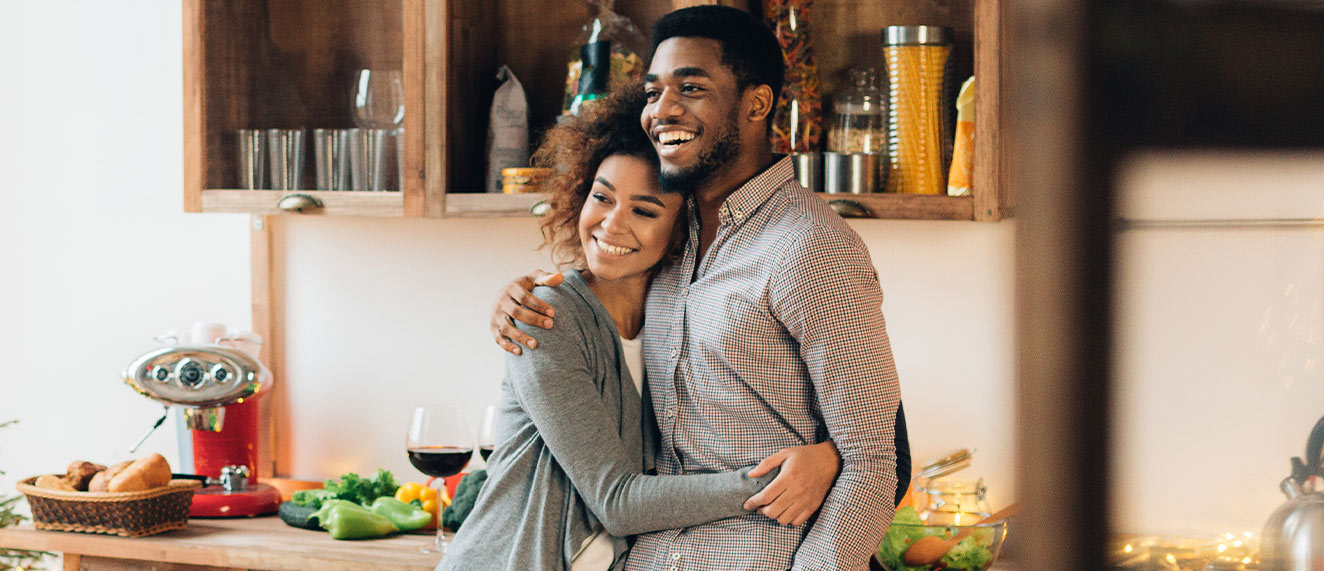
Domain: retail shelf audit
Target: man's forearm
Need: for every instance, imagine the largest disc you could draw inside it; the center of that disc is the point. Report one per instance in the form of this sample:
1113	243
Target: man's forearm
853	519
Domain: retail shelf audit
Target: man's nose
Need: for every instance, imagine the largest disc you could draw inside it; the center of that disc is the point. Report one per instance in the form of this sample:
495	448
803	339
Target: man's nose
668	105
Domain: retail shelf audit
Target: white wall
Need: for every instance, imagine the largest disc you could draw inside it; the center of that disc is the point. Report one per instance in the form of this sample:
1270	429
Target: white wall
96	254
386	314
1221	338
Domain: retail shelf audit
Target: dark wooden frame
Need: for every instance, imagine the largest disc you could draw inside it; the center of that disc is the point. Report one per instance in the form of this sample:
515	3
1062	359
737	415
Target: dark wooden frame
1090	81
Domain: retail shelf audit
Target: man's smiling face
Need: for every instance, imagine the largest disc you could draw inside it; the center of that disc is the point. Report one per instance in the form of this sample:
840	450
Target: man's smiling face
692	112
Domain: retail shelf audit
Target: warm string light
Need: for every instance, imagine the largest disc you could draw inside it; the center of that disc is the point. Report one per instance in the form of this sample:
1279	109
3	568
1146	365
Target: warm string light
1187	554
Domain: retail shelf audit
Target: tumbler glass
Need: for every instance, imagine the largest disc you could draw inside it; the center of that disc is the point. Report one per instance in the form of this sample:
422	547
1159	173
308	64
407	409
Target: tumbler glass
252	158
286	147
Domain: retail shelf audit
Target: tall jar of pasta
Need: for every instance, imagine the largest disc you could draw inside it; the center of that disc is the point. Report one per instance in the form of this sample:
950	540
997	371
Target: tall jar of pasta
797	124
919	130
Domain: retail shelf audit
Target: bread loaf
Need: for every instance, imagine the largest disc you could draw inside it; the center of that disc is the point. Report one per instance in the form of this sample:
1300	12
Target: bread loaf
53	482
80	474
101	481
143	474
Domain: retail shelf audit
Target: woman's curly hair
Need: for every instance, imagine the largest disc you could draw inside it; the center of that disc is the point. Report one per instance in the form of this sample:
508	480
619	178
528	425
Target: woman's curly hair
574	150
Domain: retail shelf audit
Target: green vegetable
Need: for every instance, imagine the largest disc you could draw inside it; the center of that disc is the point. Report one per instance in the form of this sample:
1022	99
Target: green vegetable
463	502
404	516
348	520
356	488
351	487
971	554
296	515
311	498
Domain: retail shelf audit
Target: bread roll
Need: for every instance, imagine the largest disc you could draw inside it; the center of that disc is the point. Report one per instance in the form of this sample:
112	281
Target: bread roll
80	474
101	481
143	474
53	482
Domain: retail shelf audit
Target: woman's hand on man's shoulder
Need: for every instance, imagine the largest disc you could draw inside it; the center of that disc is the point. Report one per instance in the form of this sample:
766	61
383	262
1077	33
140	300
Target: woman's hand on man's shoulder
516	301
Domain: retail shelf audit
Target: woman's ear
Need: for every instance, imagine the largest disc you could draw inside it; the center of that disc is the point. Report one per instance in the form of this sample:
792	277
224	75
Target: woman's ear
759	103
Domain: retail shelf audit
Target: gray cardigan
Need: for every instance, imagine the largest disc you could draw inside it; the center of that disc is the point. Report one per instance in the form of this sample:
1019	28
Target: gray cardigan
573	440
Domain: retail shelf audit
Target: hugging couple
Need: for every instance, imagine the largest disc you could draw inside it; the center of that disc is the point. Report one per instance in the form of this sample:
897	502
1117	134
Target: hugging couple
713	387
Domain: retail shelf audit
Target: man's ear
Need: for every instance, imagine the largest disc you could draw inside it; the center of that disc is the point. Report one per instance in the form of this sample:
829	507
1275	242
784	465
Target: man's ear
758	103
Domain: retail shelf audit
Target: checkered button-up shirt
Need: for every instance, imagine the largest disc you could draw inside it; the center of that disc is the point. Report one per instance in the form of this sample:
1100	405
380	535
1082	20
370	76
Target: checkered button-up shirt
777	340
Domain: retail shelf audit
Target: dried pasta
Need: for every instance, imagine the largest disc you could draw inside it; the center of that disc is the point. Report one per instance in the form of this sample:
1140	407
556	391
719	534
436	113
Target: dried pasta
918	147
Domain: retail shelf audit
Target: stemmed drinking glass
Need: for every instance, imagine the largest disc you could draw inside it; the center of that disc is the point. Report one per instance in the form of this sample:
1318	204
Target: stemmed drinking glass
440	443
378	102
379	99
487	432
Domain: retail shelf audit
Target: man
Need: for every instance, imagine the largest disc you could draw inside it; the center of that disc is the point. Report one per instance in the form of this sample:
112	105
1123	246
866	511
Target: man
768	331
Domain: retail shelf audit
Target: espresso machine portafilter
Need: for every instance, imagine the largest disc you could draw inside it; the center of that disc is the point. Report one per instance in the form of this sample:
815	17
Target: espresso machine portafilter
216	387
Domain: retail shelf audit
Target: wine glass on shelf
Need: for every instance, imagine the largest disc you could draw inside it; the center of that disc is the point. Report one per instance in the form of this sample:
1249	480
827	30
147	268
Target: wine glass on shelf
378	105
487	432
440	443
378	99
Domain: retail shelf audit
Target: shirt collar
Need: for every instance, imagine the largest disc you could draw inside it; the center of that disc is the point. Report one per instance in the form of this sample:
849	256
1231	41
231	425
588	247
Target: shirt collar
737	207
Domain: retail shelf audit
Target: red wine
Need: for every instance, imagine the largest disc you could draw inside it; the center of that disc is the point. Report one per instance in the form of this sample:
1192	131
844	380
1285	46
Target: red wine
440	461
485	451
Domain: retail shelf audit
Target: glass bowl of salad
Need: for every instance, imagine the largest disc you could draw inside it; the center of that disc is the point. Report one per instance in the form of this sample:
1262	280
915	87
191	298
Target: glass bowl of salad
976	552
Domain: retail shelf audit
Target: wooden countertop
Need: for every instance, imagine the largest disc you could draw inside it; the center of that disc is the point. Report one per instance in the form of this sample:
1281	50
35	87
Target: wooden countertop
244	543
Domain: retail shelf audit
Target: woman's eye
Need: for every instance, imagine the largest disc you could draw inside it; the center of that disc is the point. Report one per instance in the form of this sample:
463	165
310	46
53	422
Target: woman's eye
599	197
645	213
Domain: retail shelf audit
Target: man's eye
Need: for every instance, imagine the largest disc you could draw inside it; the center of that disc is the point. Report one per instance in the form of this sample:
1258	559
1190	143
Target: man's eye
652	94
688	88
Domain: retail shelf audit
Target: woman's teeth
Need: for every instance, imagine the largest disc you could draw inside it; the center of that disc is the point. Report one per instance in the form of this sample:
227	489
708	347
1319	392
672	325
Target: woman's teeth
674	137
610	249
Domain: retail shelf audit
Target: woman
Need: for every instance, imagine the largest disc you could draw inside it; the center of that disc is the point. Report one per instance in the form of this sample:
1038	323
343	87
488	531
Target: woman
566	481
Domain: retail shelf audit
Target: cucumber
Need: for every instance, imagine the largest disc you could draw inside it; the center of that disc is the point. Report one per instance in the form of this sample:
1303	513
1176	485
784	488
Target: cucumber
297	516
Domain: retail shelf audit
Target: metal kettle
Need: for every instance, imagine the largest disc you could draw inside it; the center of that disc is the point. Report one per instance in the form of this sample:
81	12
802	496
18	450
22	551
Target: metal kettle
1293	538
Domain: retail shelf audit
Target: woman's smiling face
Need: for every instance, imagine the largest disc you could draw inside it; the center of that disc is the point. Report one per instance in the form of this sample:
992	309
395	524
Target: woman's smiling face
626	223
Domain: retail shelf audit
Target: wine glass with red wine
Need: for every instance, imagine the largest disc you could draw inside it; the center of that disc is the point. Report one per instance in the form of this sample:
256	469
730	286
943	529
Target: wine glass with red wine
440	444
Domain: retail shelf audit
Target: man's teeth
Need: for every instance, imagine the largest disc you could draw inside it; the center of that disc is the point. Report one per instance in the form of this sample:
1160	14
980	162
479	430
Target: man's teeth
614	250
674	137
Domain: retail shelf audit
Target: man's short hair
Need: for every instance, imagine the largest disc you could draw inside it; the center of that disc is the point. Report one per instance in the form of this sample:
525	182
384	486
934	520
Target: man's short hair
748	47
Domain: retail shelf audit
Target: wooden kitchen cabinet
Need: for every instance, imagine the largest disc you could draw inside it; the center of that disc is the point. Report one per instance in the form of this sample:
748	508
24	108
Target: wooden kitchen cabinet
289	64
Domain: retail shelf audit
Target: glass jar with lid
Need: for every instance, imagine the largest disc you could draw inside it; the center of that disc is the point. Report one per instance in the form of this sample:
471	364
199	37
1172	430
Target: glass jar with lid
944	500
859	116
954	501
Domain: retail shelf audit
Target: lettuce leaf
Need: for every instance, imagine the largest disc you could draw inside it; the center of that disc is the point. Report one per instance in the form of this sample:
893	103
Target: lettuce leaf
899	538
968	555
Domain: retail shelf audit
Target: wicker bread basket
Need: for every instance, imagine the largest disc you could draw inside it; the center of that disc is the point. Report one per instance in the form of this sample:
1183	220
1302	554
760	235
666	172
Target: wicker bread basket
130	514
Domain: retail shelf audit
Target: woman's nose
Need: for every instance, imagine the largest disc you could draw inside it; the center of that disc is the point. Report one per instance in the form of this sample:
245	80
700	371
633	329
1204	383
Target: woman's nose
614	222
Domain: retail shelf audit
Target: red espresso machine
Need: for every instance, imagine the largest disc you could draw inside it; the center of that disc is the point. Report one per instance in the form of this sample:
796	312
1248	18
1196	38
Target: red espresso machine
217	387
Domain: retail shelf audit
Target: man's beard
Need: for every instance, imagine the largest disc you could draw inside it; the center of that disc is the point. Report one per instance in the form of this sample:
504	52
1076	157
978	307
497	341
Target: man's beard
716	156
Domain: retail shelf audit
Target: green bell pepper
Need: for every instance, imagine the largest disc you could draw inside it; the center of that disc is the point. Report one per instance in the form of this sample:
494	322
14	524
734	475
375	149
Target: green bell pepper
348	520
407	517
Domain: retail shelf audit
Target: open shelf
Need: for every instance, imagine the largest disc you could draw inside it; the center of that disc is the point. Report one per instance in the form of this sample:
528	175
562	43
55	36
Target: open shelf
334	203
289	64
911	206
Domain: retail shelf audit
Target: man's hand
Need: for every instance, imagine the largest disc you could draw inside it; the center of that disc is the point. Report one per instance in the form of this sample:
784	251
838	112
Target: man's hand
516	302
807	475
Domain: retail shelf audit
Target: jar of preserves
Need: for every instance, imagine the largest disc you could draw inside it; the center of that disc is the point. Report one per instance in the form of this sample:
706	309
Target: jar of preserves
859	116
